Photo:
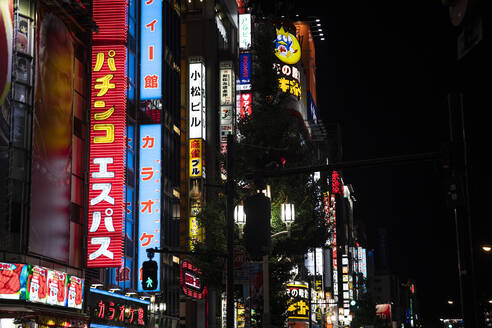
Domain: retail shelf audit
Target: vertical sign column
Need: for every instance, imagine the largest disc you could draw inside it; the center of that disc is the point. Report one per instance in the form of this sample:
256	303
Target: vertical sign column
226	101
151	49
149	198
107	136
197	134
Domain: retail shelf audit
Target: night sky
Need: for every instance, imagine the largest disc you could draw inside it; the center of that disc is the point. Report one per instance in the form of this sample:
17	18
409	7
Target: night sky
383	73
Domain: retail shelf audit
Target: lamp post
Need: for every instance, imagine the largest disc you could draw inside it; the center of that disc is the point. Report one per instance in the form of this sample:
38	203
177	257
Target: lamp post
287	216
240	218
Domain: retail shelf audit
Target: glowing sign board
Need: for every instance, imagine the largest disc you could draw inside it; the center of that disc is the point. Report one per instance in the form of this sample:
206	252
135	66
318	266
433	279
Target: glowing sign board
362	261
40	285
195	158
107	136
195	232
298	302
197	105
245	107
287	48
245	68
114	310
191	281
151	49
149	197
244	31
226	80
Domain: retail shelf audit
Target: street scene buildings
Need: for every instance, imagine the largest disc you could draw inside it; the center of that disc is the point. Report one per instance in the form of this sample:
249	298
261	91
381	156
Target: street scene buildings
144	162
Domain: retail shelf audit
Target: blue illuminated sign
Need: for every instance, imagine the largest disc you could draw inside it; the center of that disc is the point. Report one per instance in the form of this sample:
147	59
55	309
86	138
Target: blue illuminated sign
244	68
312	110
149	196
151	49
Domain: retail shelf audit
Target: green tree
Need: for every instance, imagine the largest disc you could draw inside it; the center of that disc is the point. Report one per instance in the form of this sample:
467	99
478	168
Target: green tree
274	136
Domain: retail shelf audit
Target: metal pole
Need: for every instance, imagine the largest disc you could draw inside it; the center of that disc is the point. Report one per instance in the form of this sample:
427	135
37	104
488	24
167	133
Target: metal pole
230	231
266	292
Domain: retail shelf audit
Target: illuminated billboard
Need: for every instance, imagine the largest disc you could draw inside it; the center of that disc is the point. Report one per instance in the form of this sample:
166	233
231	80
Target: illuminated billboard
287	48
149	195
245	105
151	49
226	81
107	135
195	158
197	105
298	302
244	31
38	284
245	68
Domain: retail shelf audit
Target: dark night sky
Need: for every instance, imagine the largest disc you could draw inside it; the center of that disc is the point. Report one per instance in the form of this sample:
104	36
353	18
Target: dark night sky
383	73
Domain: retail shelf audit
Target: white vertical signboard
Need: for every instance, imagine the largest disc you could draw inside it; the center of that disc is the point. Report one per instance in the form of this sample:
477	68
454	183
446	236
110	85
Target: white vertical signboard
245	31
197	101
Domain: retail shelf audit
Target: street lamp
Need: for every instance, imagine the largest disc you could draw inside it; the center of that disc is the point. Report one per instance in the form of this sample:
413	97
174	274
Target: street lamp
240	218
487	248
287	214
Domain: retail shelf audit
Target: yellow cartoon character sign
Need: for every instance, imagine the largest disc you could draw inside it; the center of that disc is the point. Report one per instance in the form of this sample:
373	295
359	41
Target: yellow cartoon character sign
287	48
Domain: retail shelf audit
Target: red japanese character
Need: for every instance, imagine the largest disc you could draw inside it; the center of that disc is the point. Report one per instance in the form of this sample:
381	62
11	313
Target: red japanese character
112	310
146	236
102	307
148	206
149	142
148	171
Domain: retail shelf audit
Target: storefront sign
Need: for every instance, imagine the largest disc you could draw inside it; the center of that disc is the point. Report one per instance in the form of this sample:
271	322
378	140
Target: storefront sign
244	31
246	105
287	48
245	68
117	310
107	136
40	285
191	281
298	302
149	197
195	158
289	79
226	80
151	49
197	105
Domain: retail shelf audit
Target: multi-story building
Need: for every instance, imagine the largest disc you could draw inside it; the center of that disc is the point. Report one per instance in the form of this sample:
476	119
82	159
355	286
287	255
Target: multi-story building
44	127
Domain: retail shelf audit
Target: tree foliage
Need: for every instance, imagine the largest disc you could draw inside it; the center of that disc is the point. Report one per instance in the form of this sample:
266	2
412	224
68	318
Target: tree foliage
273	137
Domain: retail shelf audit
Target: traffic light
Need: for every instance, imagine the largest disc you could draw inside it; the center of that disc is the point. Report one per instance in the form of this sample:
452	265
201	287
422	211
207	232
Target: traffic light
149	275
257	228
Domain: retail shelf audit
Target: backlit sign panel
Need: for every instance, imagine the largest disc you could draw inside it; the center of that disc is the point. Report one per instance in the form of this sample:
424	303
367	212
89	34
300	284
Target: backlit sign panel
245	105
149	197
38	284
245	68
197	105
298	302
362	261
226	79
107	135
151	49
111	309
244	31
195	158
191	281
287	48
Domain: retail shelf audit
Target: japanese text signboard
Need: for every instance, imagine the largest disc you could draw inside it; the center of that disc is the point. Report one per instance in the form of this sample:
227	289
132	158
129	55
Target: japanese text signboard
245	109
226	79
151	49
298	302
195	158
245	68
191	281
197	105
149	197
107	136
244	31
117	310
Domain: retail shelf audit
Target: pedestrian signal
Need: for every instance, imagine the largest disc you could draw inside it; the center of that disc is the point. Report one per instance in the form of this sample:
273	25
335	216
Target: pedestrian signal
149	275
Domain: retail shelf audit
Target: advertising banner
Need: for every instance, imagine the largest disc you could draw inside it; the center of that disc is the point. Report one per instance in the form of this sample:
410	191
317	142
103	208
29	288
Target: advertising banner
246	105
151	50
197	106
108	135
149	197
245	68
40	285
49	225
226	79
13	278
244	31
298	302
196	158
111	309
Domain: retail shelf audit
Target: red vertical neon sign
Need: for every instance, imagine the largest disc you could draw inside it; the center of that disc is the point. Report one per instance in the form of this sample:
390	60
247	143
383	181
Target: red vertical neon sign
107	136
